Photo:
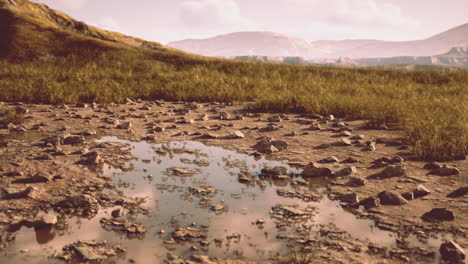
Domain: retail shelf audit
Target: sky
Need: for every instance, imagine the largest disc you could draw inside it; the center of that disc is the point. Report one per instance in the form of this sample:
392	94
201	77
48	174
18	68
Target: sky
170	20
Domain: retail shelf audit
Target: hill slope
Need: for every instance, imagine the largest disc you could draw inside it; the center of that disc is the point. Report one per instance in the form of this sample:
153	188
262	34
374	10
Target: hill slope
55	33
271	44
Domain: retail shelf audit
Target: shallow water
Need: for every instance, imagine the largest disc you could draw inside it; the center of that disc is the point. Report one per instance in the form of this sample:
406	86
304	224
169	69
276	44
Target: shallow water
167	197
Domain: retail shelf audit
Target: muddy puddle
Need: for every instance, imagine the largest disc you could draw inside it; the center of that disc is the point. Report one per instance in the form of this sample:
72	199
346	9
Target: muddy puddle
190	185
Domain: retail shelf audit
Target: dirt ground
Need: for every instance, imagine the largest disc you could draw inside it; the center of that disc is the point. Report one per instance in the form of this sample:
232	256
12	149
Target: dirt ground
40	164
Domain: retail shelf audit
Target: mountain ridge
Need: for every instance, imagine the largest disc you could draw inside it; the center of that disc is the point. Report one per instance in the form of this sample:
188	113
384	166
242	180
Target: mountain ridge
241	44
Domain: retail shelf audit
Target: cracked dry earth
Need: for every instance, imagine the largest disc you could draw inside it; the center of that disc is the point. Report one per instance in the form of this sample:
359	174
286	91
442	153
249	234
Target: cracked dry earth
166	182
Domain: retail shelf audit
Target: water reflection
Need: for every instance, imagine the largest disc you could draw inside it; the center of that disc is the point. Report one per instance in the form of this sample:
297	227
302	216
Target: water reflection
172	205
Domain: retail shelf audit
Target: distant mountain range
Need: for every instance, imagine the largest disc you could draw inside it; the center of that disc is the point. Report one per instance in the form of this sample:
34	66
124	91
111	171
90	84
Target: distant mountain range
276	45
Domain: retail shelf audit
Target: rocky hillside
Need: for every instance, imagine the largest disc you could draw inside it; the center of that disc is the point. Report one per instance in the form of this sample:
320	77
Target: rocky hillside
457	56
271	44
55	33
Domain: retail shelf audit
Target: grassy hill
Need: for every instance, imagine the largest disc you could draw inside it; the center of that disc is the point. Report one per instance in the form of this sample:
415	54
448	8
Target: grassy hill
47	57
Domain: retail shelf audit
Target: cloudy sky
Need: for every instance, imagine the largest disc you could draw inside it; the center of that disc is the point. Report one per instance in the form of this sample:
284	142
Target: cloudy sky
169	20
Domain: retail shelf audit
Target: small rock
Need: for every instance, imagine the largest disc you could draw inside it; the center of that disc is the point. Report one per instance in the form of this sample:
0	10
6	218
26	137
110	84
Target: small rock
345	134
126	125
118	213
329	160
344	142
350	160
74	140
445	171
394	171
462	191
370	146
408	196
351	198
346	171
312	171
356	182
432	166
438	214
452	252
420	191
236	135
46	219
391	198
370	202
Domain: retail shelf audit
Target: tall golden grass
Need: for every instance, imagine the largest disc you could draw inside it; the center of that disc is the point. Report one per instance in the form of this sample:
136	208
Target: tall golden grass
430	106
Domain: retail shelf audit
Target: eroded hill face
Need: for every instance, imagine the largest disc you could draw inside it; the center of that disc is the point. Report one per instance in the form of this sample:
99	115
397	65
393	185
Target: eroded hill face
29	30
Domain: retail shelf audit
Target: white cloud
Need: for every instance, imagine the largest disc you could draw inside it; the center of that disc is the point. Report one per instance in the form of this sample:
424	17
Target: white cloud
107	23
203	16
367	13
336	19
64	4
